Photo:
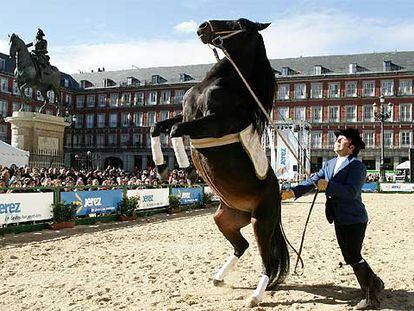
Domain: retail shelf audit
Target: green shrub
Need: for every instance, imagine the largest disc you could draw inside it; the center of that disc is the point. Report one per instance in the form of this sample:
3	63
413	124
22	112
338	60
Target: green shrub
207	198
63	211
128	206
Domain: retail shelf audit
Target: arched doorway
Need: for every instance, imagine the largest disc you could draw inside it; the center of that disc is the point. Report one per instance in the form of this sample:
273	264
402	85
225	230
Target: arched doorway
114	162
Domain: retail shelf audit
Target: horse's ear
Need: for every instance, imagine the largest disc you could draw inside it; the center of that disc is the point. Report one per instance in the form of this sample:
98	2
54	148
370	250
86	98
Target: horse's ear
261	26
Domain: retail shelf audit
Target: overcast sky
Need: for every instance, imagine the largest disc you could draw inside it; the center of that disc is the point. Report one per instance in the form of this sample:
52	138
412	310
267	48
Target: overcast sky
84	35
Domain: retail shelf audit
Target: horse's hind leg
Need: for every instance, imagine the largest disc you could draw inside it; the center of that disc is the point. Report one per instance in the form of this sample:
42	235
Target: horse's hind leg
230	221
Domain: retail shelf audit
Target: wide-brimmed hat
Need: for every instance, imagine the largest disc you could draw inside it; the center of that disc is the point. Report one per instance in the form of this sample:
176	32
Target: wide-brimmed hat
352	134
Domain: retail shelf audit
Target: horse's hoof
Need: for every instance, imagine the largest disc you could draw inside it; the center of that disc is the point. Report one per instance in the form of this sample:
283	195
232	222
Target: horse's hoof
252	302
218	282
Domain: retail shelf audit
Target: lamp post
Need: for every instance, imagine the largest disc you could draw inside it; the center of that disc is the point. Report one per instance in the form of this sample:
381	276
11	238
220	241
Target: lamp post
382	114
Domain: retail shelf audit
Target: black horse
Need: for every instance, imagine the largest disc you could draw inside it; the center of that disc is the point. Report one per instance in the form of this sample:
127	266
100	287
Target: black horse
221	106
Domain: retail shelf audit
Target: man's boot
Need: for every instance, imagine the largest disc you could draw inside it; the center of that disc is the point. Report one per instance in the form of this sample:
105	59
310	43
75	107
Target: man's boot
371	286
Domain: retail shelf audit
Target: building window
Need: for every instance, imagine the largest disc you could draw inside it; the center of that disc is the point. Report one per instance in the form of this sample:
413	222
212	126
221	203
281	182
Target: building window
406	87
152	98
16	90
316	140
300	113
368	138
102	100
113	120
4	85
28	92
89	121
126	99
68	99
3	132
405	139
90	101
164	115
283	92
139	98
76	140
350	89
151	118
100	140
89	140
283	113
387	87
179	96
125	119
333	113
16	106
2	64
137	139
79	121
165	97
113	102
39	97
125	139
334	89
350	114
405	112
388	141
148	141
138	119
331	139
369	88
101	120
80	101
300	91
316	90
3	108
317	114
112	139
164	140
368	113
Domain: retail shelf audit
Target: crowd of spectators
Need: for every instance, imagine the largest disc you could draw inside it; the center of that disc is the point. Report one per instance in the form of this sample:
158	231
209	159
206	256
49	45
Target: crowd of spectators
29	177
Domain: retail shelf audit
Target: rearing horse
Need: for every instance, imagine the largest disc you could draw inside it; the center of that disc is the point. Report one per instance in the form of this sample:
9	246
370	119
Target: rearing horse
215	112
27	75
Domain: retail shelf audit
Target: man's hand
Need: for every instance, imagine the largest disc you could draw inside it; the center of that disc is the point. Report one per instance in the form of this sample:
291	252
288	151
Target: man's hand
287	194
322	184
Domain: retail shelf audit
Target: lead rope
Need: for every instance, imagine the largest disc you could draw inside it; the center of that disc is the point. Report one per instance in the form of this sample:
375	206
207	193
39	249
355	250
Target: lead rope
299	258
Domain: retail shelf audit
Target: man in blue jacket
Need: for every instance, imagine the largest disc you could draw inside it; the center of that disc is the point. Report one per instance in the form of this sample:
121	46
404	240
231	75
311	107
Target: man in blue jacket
342	179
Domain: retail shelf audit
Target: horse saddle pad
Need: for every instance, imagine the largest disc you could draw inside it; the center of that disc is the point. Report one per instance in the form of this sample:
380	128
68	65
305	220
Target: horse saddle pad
250	141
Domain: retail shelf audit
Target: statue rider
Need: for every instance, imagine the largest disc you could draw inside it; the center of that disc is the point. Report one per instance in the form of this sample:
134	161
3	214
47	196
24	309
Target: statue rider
40	51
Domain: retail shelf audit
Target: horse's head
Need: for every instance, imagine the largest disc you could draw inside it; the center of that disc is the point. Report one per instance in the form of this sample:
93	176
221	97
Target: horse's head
13	45
215	31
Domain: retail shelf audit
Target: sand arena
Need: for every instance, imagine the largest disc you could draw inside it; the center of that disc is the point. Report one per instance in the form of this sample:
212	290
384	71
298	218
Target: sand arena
167	263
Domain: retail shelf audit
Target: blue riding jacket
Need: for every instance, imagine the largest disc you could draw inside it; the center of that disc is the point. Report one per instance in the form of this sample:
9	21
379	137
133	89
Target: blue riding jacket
343	191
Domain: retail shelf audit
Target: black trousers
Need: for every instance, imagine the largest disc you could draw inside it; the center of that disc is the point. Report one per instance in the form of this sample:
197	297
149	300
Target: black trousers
350	238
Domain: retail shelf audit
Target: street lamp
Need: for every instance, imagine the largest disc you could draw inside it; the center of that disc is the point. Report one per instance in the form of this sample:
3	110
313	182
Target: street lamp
382	114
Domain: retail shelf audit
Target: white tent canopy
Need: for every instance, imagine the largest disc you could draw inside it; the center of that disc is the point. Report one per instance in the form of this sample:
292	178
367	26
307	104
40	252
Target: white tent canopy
10	155
403	166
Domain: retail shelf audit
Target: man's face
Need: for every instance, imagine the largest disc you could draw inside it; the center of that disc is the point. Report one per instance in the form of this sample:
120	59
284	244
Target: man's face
343	146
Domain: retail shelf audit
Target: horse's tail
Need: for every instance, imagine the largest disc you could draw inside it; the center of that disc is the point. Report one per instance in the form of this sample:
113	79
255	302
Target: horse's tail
279	253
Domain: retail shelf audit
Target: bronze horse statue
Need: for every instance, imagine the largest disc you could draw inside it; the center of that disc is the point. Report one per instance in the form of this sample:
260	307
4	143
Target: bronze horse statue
221	106
29	74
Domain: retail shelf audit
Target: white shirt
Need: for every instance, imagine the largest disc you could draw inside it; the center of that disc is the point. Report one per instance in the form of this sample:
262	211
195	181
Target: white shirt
338	164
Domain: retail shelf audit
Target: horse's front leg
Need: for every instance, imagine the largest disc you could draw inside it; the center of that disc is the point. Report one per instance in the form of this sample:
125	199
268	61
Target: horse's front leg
158	157
22	89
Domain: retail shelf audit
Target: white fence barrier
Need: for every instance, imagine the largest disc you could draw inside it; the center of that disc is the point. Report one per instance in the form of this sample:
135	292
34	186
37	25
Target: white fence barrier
22	207
397	187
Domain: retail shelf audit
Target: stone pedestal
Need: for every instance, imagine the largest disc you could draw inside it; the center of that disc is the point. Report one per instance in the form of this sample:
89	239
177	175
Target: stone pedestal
41	134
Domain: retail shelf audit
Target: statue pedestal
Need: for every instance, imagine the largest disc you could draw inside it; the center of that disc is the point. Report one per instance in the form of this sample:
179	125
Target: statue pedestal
41	134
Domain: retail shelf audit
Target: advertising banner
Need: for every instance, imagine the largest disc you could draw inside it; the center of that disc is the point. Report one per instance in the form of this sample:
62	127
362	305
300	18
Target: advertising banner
285	160
210	191
188	195
370	187
93	202
150	198
397	187
21	207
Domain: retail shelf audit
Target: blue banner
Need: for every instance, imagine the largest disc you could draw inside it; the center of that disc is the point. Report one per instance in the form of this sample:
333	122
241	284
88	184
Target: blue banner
93	202
188	195
370	187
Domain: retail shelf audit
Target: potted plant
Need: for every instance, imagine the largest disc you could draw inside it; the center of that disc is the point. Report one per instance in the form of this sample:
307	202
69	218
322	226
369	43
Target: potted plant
127	208
207	199
174	204
63	215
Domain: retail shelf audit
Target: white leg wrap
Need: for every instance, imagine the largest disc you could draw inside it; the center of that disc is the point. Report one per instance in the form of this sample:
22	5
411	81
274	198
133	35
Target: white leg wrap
259	291
179	150
227	267
157	155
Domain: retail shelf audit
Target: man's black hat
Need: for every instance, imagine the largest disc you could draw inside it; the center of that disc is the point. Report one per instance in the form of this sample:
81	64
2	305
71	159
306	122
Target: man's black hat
352	134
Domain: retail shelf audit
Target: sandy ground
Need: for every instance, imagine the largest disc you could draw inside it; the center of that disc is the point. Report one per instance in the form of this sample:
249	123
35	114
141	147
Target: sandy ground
167	263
